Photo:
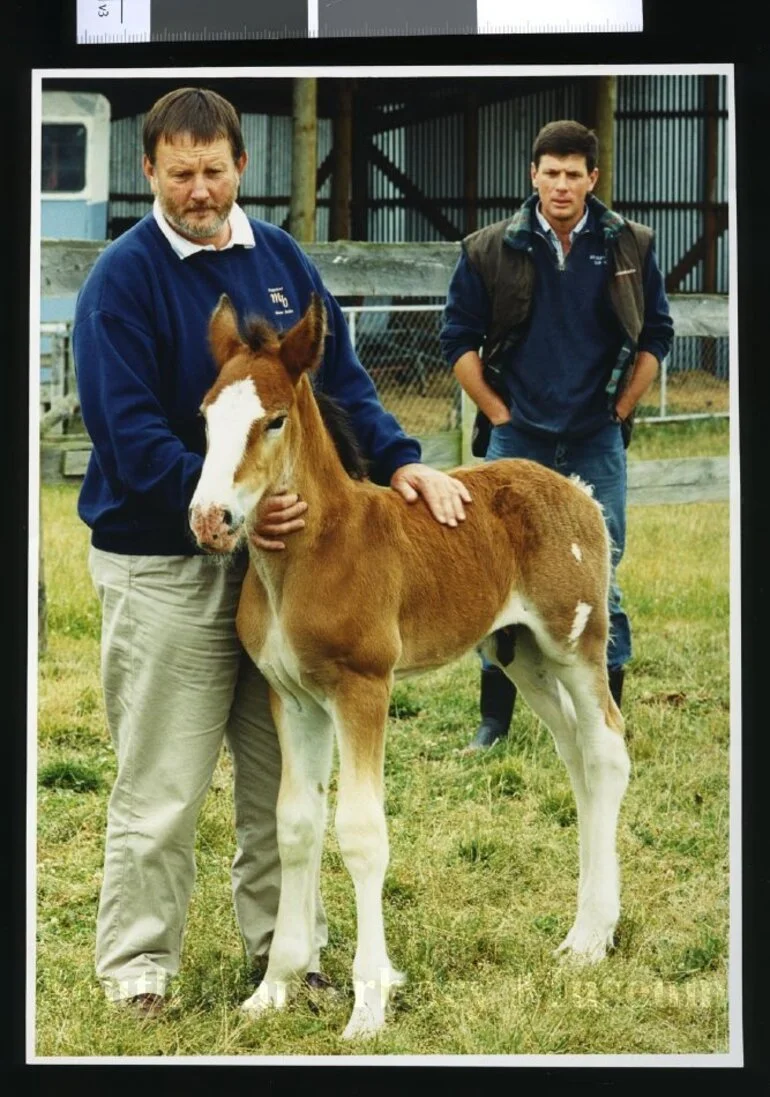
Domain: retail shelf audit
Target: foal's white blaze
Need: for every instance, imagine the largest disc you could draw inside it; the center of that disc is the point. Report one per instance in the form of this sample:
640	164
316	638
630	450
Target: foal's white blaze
582	613
229	419
576	552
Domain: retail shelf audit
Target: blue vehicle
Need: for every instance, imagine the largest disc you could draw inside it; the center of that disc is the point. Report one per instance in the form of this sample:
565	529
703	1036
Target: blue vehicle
75	169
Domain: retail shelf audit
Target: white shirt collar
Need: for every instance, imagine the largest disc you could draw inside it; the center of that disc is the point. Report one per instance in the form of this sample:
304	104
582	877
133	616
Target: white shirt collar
241	233
549	231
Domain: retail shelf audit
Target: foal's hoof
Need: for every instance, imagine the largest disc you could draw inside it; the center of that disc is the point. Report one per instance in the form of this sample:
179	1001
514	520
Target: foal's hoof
373	999
267	996
363	1022
584	945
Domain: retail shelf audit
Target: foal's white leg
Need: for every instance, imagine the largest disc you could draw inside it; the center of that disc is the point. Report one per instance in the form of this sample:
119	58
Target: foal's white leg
307	740
533	674
359	716
606	768
597	762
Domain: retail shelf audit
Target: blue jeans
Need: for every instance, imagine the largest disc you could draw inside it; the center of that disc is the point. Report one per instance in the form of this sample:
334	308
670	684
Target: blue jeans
600	460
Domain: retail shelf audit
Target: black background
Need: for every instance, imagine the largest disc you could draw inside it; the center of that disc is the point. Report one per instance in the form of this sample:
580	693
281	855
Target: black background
42	34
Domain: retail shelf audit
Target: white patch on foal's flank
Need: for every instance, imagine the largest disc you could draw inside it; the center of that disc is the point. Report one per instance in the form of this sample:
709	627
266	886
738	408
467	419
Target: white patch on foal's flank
229	419
582	613
576	552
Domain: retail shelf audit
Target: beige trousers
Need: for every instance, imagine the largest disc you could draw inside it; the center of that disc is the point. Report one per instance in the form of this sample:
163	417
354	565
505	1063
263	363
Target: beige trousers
177	683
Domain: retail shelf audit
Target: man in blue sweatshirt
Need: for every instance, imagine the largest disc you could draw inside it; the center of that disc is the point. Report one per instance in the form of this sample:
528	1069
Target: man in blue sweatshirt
176	682
555	324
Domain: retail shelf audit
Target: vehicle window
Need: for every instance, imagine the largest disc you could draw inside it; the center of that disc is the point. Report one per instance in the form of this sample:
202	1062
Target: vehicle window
64	158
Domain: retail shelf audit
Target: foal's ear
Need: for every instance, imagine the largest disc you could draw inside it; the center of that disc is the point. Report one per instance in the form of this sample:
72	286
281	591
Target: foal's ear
224	337
302	346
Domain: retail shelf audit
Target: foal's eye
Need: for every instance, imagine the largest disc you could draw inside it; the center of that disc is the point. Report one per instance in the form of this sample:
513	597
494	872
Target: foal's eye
277	423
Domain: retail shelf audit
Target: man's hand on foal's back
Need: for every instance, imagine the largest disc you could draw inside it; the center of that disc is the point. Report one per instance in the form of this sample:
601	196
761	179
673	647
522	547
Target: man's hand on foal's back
443	494
445	497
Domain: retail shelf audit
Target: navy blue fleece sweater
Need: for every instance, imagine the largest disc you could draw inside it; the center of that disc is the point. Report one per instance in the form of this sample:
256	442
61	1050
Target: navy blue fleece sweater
143	366
557	374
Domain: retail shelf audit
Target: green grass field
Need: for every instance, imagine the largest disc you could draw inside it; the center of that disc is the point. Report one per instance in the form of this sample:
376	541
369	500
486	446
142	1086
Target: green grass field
481	885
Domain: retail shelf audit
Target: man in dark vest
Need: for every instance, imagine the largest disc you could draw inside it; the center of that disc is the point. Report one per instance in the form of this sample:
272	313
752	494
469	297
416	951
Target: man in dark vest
556	322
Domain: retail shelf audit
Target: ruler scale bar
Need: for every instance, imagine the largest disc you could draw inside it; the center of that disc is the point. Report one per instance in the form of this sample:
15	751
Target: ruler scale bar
127	21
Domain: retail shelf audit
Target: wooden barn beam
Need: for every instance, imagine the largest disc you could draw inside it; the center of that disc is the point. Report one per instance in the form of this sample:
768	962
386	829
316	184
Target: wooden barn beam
606	102
711	169
304	153
342	151
471	162
697	252
323	173
359	166
420	108
413	195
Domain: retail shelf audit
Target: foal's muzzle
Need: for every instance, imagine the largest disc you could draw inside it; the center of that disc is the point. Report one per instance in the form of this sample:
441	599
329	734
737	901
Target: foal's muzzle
215	528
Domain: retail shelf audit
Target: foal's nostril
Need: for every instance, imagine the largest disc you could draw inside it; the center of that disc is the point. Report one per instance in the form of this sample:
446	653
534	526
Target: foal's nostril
227	518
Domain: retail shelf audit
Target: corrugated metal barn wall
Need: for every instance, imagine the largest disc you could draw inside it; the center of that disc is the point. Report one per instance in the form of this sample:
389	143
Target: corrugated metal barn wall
659	167
431	153
266	183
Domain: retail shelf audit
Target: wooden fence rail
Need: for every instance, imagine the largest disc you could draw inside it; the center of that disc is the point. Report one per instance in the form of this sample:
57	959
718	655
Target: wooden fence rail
355	269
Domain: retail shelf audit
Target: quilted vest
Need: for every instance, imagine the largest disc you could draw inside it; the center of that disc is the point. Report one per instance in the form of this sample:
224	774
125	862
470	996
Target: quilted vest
500	253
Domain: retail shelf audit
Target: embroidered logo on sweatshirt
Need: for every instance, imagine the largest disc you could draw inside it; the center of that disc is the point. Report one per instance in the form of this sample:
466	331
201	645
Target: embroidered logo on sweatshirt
598	260
280	301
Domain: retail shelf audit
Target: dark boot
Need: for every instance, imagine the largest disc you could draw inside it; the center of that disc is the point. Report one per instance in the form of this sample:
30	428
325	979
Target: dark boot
498	695
616	676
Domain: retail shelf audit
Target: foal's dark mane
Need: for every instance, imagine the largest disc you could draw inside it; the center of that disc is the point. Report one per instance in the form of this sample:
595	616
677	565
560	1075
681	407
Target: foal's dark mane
260	333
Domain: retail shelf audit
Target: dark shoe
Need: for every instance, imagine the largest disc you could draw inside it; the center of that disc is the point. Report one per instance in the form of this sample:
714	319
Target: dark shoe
318	984
616	676
144	1006
257	973
498	696
316	980
321	991
487	734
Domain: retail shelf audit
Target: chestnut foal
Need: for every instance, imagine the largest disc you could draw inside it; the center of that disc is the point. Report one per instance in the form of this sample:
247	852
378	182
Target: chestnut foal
374	588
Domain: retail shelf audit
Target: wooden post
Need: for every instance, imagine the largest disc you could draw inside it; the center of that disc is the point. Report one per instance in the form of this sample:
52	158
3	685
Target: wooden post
339	221
471	163
606	101
711	163
710	234
359	198
304	155
467	418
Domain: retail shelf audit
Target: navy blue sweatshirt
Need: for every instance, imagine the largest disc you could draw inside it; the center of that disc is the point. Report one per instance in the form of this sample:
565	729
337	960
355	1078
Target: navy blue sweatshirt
557	374
143	366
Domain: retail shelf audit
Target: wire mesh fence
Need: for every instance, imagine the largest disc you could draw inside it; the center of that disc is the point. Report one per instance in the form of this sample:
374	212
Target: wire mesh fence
693	383
399	347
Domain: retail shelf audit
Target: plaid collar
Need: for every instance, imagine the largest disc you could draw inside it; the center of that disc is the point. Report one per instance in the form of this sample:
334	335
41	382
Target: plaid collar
522	225
548	230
